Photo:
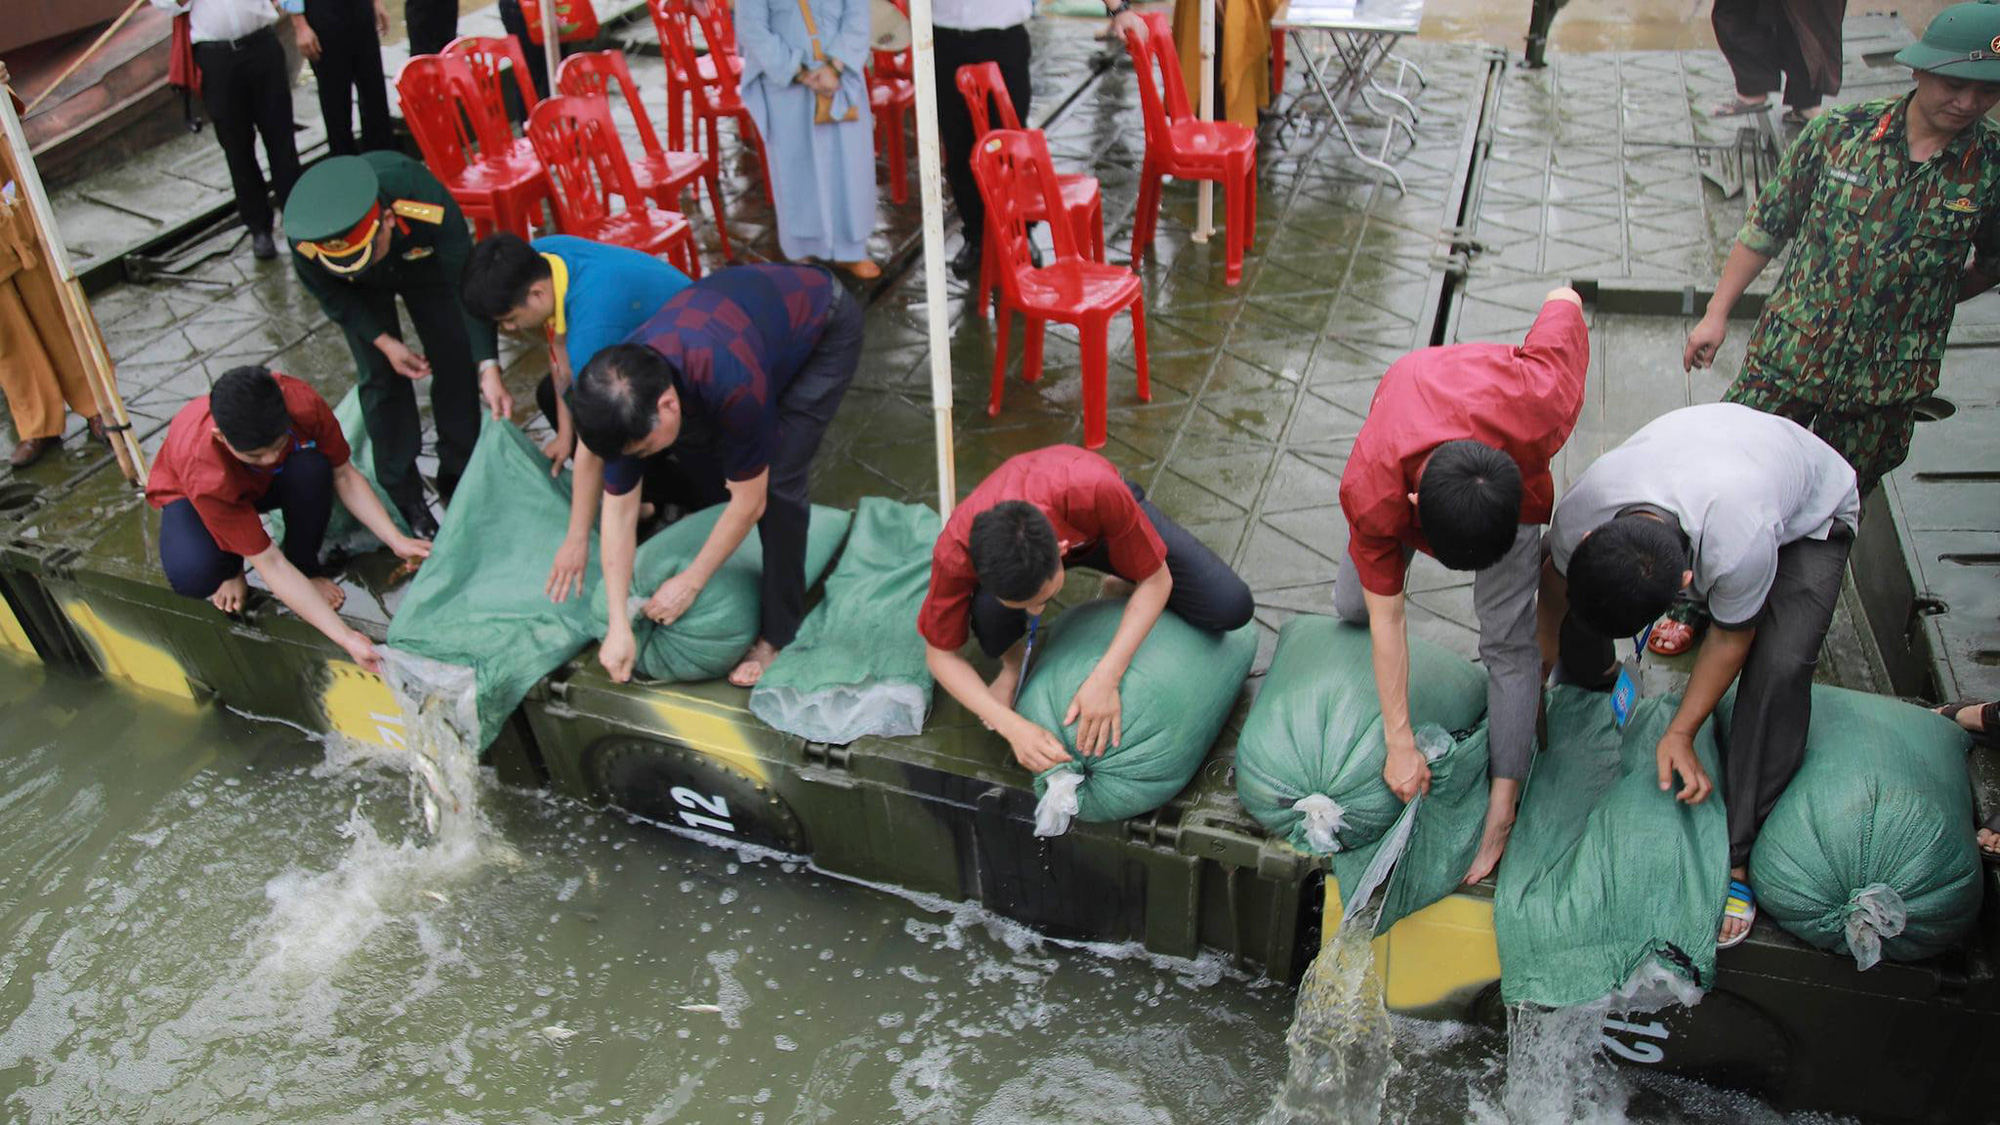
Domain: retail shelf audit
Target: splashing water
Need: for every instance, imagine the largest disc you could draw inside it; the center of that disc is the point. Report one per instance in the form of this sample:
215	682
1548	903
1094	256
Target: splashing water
1340	1043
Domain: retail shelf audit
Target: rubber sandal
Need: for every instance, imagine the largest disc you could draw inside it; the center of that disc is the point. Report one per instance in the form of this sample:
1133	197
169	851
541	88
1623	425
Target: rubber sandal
1737	107
1991	824
1742	903
1989	721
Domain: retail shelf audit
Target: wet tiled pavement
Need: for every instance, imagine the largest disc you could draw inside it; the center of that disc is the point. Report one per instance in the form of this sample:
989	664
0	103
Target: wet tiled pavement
1258	389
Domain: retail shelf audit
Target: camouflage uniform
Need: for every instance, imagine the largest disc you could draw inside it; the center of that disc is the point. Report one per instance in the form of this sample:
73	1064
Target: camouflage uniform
1852	337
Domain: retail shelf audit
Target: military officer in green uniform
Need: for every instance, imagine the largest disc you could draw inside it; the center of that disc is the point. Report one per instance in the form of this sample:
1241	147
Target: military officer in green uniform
1882	202
365	230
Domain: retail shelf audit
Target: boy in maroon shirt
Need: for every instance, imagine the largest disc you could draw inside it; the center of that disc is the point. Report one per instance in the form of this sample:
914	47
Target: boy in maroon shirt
257	442
1002	557
1453	461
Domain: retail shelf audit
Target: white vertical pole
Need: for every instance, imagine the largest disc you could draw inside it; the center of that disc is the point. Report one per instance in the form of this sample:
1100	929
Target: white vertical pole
551	48
930	184
1204	218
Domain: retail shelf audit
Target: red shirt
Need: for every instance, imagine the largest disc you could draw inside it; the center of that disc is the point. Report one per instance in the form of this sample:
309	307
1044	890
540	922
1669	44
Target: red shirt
1522	401
193	465
1085	500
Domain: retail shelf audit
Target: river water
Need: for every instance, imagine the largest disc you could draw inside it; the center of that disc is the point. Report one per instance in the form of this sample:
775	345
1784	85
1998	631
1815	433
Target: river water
204	921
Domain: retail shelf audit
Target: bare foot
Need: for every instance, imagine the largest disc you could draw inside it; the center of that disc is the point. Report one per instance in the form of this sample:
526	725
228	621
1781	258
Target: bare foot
754	663
1732	928
1115	587
331	591
863	270
1971	717
1989	841
646	510
229	596
1500	805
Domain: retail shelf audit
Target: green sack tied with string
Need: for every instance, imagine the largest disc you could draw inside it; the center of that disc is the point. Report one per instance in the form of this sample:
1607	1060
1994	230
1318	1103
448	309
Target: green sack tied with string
857	666
1609	883
480	599
709	639
1173	702
1309	762
1870	849
344	533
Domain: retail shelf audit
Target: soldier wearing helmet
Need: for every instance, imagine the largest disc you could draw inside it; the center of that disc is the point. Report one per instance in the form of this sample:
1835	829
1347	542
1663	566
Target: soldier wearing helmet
1892	210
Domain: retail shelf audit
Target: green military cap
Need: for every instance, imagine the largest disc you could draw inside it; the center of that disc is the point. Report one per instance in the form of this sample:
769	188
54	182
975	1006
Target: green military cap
333	213
1962	42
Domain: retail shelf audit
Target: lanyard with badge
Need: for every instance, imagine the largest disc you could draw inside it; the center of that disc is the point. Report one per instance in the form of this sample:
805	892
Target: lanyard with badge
1027	657
1625	693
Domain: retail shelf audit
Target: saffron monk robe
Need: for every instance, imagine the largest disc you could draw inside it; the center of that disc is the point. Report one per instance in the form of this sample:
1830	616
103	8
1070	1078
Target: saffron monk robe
1453	461
1003	555
258	442
584	296
735	380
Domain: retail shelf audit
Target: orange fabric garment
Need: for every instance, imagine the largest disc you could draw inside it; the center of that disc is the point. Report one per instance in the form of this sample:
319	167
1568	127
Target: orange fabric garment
39	366
1242	42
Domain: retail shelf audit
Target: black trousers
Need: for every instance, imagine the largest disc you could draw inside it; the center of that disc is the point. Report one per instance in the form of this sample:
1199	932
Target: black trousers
389	401
1763	50
517	26
247	91
1007	46
350	63
1767	732
432	24
1207	594
196	566
805	409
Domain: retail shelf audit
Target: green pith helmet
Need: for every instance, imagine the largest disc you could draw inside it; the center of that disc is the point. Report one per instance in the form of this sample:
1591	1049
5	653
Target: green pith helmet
1962	42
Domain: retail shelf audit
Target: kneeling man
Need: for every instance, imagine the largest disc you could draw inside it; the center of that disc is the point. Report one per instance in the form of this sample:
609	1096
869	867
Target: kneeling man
1756	513
257	442
1453	461
736	379
1002	557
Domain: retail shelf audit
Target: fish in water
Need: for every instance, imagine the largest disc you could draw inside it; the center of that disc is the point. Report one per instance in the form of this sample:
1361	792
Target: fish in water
407	569
709	1008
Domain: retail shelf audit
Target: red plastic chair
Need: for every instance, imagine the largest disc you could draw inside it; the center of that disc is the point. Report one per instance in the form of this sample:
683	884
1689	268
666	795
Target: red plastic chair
985	92
661	175
1012	168
496	181
711	93
892	101
586	162
491	56
1179	145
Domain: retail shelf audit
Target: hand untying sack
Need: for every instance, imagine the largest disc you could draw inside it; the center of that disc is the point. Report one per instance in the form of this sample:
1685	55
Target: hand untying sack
707	641
1309	763
1174	698
1870	848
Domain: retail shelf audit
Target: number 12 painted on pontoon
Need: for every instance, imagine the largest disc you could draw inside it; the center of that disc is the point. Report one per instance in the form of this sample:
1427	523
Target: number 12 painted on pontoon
689	799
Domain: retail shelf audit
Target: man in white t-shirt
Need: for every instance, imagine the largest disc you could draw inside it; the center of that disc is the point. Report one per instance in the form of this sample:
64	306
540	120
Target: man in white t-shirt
1755	514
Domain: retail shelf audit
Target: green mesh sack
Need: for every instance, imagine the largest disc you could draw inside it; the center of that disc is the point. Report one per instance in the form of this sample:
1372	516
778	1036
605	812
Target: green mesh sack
1173	701
707	641
344	533
1309	763
480	600
1609	884
1443	839
857	666
1870	848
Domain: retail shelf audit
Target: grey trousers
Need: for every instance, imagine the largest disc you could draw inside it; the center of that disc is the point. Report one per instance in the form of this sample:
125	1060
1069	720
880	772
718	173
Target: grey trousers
1503	599
1767	732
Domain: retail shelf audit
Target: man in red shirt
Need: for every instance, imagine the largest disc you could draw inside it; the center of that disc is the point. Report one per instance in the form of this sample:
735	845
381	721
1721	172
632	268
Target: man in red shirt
257	442
1002	557
1453	461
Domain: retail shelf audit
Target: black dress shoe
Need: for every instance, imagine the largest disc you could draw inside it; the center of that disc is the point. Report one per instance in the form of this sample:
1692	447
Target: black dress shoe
965	266
418	516
262	246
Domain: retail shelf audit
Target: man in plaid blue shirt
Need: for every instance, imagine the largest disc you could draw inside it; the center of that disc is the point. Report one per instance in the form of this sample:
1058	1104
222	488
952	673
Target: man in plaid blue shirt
735	379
